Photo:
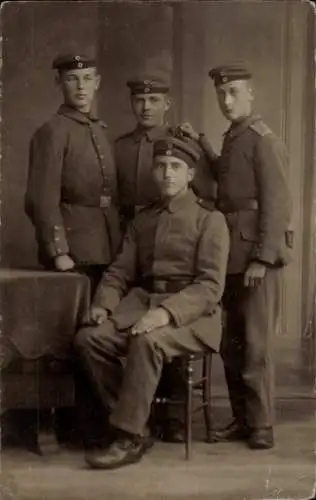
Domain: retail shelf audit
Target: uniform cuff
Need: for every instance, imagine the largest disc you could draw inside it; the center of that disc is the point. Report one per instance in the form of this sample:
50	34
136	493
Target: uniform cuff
108	298
174	315
265	256
58	245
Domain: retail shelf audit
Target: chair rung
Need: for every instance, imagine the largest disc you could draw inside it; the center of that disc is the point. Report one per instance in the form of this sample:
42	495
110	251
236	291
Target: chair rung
199	382
163	401
199	407
197	390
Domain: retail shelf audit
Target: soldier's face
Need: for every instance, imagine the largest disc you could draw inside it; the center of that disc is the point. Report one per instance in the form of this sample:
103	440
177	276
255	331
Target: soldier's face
79	86
150	109
235	99
172	175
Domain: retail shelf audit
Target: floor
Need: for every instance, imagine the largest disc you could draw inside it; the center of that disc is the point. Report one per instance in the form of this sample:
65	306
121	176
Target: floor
219	471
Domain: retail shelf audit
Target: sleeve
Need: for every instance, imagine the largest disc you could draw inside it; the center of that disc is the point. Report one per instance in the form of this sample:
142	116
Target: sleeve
206	291
118	163
120	275
42	200
211	157
274	198
204	184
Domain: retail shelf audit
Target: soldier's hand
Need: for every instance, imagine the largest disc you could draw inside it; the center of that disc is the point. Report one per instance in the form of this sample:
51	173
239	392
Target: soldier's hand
189	131
64	263
98	315
254	274
154	318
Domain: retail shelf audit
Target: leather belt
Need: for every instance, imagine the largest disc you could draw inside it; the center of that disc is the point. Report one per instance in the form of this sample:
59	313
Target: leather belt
102	203
138	208
130	211
164	286
237	205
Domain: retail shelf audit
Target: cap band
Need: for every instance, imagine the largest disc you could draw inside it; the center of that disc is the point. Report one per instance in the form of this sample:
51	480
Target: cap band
177	148
148	87
225	74
73	62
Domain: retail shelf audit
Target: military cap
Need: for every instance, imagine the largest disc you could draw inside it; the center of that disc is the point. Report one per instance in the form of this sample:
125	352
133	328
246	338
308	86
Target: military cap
150	82
65	62
184	149
229	73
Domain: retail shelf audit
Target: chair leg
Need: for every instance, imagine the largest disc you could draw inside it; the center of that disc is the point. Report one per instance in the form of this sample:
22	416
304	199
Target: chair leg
189	410
206	395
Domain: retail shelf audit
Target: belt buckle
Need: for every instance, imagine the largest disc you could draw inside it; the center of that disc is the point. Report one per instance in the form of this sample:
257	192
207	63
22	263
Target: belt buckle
138	208
105	201
160	286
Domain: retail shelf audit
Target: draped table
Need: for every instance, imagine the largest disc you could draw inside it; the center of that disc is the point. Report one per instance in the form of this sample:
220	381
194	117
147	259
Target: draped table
40	312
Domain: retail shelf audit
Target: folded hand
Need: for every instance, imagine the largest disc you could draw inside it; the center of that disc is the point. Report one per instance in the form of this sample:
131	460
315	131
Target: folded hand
154	318
97	315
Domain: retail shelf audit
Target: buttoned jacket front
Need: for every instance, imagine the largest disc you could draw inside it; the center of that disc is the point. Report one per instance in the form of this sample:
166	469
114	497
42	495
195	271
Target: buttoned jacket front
70	162
179	241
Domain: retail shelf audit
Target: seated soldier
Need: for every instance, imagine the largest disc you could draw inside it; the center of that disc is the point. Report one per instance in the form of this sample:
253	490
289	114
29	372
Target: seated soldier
179	246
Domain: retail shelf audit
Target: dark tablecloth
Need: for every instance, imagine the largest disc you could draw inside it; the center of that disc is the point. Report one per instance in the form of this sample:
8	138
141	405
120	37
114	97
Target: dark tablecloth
40	312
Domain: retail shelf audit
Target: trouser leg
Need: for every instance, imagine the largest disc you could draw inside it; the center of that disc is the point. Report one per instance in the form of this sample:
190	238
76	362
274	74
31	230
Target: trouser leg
252	315
233	347
261	311
146	357
101	349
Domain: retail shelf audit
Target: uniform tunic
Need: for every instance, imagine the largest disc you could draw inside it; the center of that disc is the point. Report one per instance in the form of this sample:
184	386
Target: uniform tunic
181	244
70	168
253	194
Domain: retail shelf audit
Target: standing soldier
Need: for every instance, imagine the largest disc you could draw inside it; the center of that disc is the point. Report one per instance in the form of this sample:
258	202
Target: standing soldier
72	193
150	102
254	196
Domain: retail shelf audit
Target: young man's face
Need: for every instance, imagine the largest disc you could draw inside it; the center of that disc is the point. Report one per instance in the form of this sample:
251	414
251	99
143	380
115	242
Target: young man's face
235	99
150	109
79	86
172	175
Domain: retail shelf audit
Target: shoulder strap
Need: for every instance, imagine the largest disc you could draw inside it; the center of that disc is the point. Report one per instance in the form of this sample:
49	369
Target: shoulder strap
261	128
207	204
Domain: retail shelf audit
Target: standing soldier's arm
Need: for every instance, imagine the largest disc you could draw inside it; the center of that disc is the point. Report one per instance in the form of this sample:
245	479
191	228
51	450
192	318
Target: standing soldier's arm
43	194
274	197
209	153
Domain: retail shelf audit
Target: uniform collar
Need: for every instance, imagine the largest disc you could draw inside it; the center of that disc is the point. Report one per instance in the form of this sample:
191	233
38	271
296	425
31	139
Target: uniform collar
182	201
238	128
74	114
151	134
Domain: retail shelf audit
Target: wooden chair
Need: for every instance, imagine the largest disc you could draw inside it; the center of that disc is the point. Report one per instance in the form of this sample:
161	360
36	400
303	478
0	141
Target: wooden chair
201	387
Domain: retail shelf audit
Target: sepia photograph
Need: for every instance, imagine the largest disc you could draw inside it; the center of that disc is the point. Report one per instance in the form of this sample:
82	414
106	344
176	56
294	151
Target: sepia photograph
158	250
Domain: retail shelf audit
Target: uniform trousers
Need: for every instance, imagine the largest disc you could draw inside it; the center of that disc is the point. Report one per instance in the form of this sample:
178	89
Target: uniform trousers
126	369
247	347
